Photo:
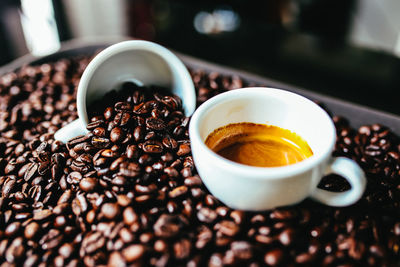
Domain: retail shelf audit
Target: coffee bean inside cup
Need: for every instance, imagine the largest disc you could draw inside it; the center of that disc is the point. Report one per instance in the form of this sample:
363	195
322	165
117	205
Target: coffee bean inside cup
258	145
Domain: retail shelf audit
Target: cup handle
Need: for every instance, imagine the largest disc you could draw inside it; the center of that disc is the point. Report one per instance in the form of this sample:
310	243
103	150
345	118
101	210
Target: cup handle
71	130
349	170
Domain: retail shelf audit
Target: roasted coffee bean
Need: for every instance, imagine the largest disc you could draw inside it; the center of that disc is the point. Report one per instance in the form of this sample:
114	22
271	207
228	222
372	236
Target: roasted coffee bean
169	225
31	171
138	133
132	151
169	143
151	146
108	112
182	249
42	215
206	215
133	252
110	210
286	237
274	257
177	192
117	135
88	184
99	131
130	170
130	216
227	228
12	229
155	124
183	150
100	142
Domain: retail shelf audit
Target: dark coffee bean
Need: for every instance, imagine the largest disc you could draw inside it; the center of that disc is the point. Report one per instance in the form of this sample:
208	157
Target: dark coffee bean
145	159
138	133
282	215
15	250
183	150
108	153
143	199
169	225
110	210
140	109
130	216
133	252
152	146
238	216
177	192
186	172
155	124
130	170
65	197
74	177
88	184
178	131
31	230
80	139
12	229
94	124
31	171
182	249
286	237
227	228
115	164
122	106
274	257
42	215
99	131
108	112
8	187
119	180
193	181
242	250
206	215
132	151
100	142
79	205
171	172
167	157
125	119
117	135
170	102
169	143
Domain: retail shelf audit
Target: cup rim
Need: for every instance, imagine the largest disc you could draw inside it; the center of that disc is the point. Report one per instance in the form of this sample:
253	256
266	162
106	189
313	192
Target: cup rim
255	172
171	59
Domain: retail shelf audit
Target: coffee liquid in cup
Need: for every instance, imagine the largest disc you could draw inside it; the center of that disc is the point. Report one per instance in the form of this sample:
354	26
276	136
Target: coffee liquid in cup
258	145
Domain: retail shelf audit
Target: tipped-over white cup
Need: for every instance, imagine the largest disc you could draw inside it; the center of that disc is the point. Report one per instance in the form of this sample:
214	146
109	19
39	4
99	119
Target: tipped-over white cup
137	61
259	188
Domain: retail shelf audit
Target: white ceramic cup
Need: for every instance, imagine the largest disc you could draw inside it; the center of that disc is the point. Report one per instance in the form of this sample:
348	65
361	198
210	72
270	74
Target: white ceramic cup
141	62
259	188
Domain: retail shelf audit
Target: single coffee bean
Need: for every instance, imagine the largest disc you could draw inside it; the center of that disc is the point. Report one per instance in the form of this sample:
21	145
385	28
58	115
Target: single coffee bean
117	135
31	230
274	257
88	184
152	146
155	124
110	210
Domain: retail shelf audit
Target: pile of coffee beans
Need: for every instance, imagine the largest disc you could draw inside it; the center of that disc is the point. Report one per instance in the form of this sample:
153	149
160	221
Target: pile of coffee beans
128	194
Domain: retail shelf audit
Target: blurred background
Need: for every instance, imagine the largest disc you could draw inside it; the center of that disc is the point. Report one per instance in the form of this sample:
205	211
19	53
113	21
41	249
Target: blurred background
344	48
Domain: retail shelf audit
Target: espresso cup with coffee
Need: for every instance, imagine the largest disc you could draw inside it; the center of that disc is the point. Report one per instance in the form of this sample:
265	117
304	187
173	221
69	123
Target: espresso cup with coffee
136	61
261	148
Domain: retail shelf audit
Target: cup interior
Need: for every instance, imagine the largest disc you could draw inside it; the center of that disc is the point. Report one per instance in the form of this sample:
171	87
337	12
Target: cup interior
141	62
268	106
